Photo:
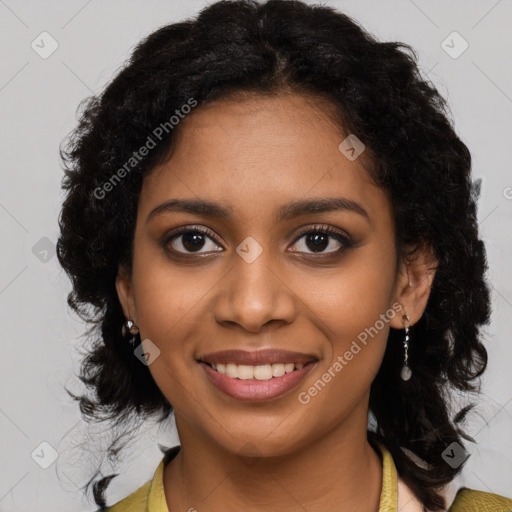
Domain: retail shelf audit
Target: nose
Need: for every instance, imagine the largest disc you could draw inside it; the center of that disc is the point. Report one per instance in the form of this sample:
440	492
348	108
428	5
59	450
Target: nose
253	295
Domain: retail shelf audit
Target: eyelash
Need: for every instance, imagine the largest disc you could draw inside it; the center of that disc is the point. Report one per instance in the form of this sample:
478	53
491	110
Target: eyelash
346	241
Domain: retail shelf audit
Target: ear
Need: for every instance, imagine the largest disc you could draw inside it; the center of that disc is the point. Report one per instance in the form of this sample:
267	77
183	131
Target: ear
125	293
414	282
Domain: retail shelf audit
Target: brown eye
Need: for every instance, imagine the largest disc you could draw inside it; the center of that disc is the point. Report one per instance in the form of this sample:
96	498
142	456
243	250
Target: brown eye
319	238
191	240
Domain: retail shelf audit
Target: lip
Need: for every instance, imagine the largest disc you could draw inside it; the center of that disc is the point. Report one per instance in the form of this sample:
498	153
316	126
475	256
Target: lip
253	390
257	357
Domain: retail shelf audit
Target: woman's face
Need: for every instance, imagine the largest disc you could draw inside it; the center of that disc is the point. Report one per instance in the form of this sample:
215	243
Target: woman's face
254	279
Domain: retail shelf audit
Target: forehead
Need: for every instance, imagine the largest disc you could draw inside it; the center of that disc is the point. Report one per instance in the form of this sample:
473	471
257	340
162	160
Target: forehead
258	153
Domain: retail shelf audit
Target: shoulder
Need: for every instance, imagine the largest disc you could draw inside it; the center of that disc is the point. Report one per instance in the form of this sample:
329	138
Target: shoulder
135	502
151	496
467	500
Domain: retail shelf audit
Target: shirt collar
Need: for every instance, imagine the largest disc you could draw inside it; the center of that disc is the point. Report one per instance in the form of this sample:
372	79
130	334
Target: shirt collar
389	491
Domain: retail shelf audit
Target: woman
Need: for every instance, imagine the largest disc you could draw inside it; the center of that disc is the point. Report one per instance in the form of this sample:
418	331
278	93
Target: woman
274	223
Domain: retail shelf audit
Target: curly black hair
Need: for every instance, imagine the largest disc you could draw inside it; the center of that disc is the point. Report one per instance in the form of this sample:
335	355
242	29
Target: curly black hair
239	46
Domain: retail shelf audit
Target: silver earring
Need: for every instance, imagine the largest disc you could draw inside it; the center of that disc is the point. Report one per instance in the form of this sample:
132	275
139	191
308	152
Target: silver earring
130	327
406	371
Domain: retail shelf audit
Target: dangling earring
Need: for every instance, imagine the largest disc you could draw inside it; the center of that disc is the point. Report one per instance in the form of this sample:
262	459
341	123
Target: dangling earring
406	372
130	327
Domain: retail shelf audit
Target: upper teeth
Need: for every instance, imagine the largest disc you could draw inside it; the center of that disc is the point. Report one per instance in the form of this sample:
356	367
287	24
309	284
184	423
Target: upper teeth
261	372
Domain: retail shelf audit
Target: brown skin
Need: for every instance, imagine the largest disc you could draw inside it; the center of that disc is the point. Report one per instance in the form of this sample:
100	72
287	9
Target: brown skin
255	155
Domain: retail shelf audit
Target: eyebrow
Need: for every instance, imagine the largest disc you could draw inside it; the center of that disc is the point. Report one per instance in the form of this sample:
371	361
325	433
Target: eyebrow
286	212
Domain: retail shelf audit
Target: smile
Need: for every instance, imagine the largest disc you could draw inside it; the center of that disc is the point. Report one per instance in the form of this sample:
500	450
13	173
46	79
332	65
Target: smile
256	383
260	372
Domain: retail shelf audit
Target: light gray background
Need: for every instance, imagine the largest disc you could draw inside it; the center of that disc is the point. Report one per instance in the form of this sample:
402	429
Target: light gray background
38	99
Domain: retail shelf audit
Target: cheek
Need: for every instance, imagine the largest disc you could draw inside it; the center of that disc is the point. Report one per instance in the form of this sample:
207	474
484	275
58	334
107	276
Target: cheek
170	302
353	308
347	300
169	309
358	328
167	295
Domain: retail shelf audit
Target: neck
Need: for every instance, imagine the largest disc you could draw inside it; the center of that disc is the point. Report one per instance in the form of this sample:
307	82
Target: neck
338	471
